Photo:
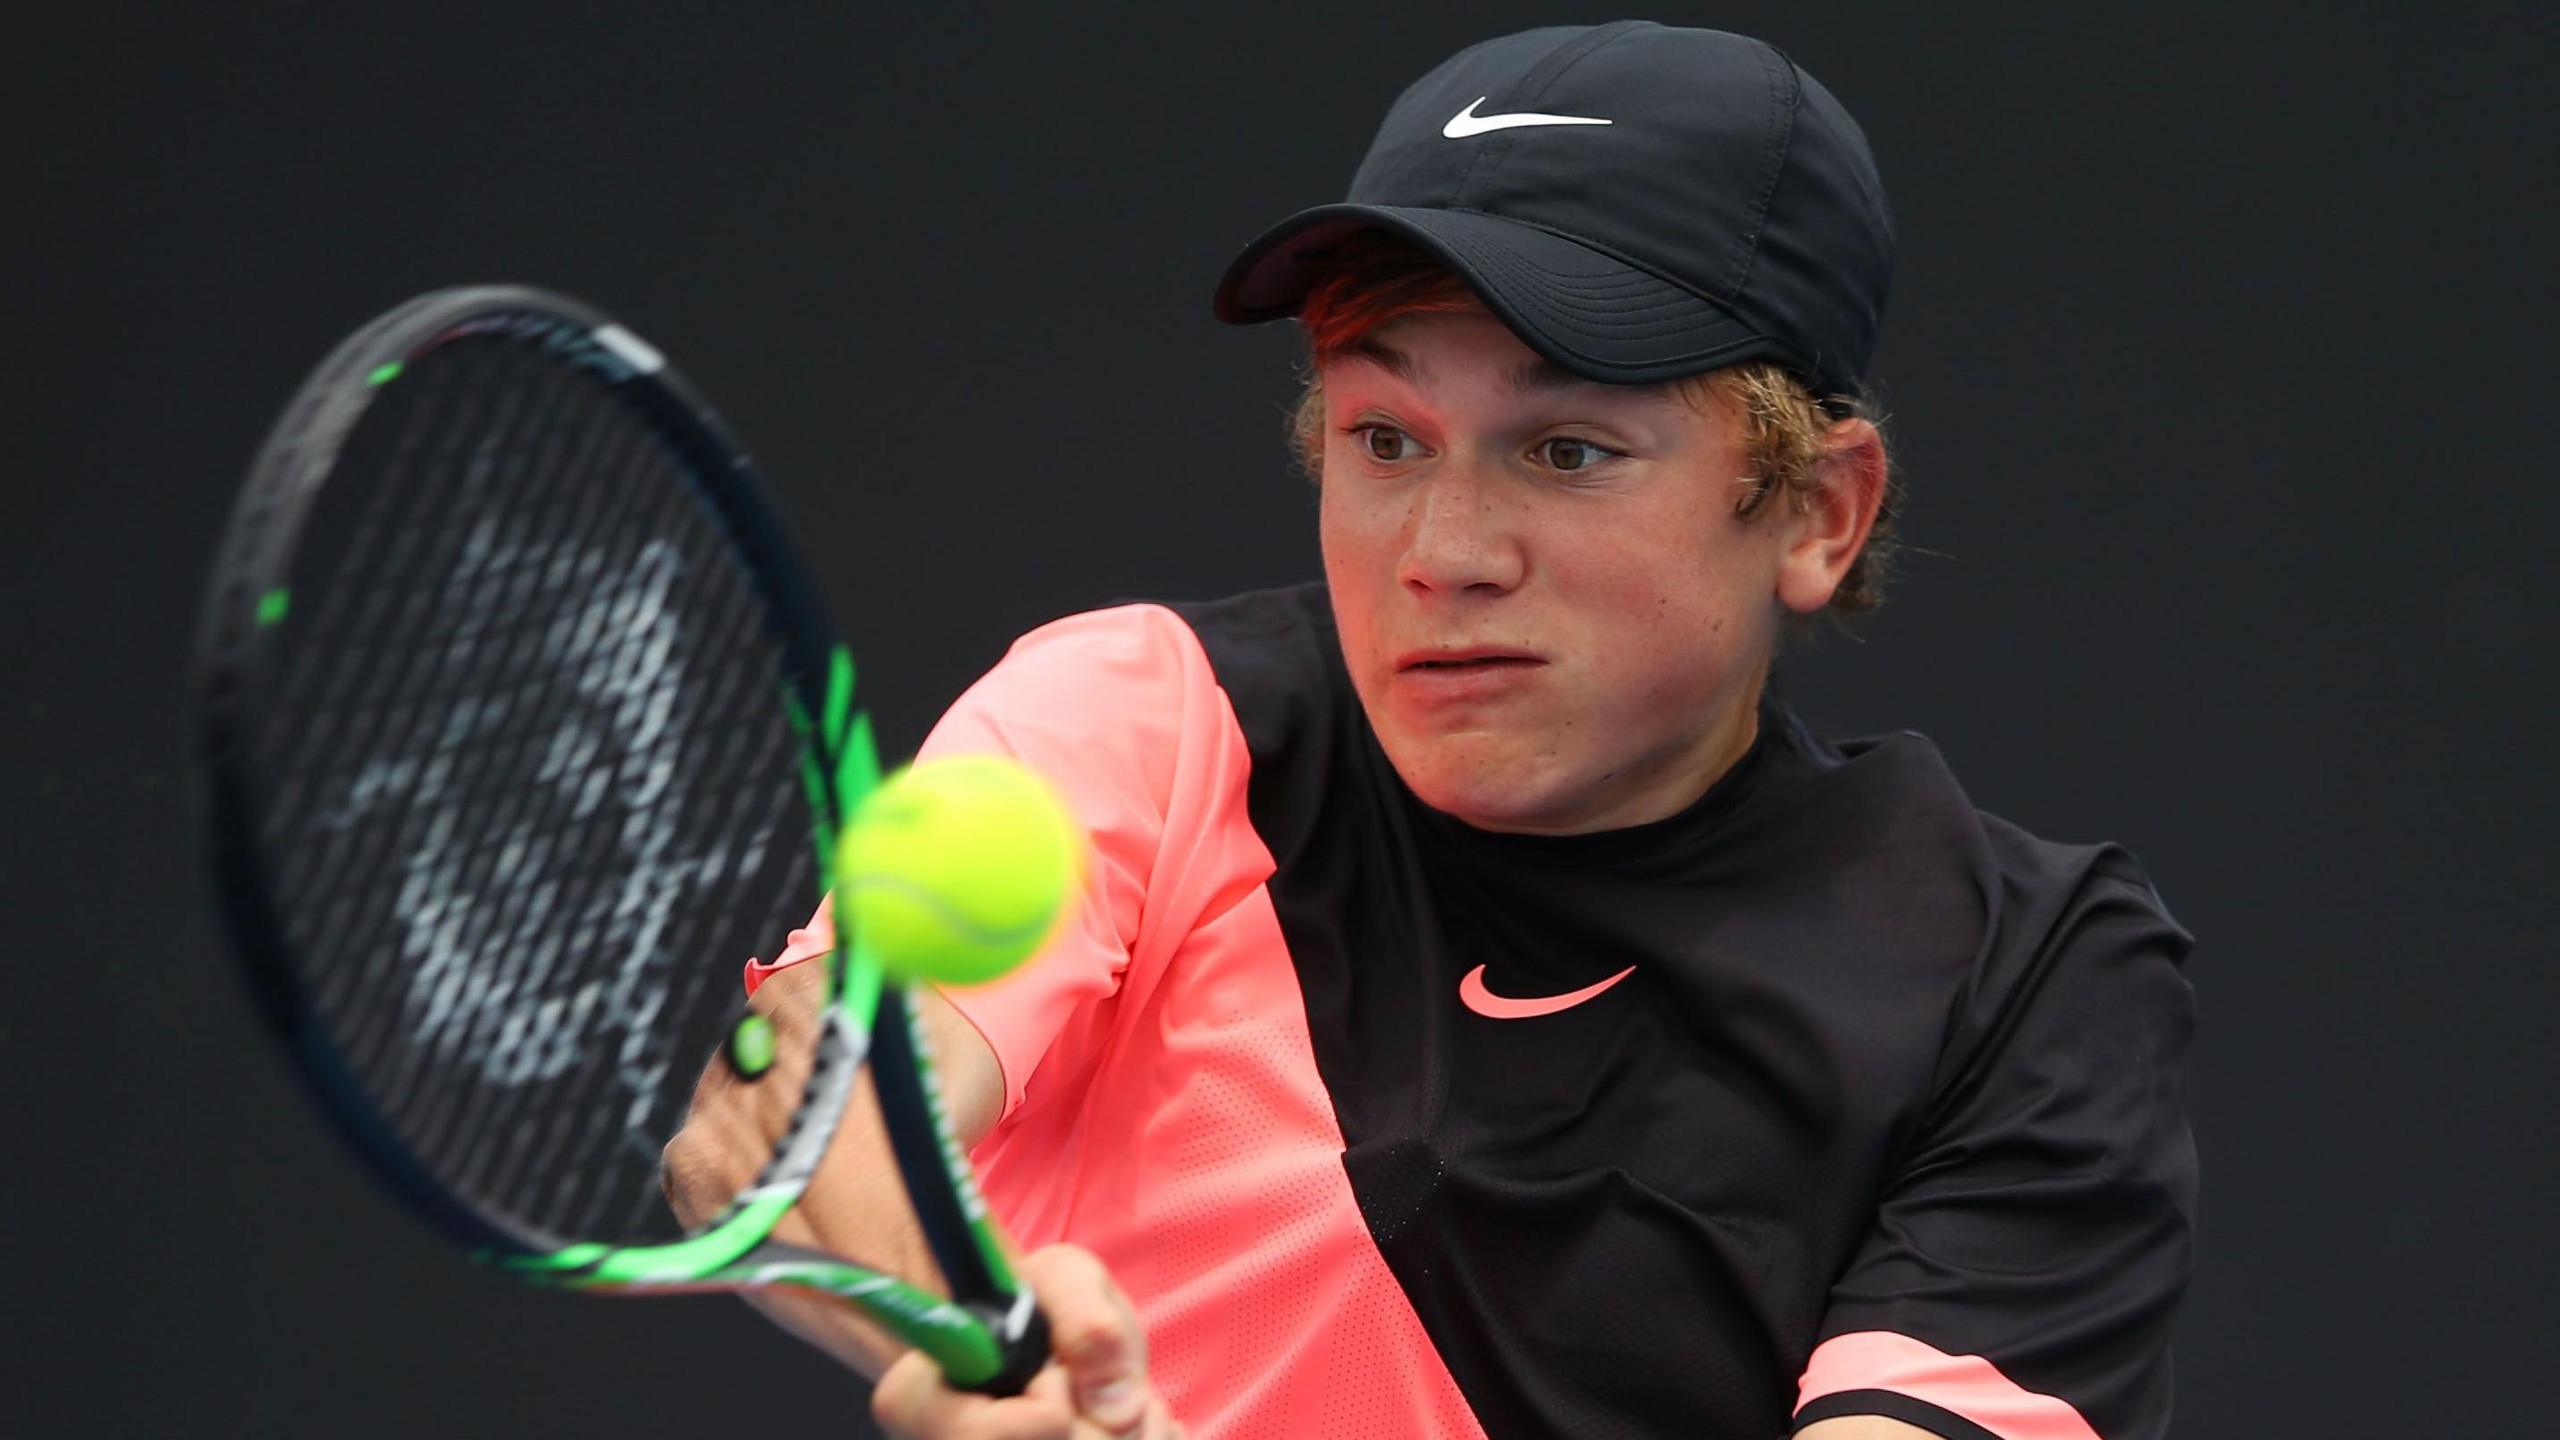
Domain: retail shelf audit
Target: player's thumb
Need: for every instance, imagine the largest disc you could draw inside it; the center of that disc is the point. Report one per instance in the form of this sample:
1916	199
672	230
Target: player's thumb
1094	1334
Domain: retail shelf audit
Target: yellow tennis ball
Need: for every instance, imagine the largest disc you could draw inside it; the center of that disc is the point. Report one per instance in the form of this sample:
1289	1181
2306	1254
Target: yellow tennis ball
958	869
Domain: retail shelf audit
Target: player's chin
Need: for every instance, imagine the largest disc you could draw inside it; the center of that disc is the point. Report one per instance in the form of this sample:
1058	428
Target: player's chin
1488	779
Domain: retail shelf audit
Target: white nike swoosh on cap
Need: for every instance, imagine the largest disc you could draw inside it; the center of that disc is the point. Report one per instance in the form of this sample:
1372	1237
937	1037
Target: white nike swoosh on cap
1467	122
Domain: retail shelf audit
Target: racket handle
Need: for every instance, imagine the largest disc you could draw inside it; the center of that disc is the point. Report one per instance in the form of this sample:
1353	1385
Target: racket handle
1022	1336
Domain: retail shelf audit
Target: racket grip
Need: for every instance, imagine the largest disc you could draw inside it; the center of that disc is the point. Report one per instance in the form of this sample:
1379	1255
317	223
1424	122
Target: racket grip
1022	1337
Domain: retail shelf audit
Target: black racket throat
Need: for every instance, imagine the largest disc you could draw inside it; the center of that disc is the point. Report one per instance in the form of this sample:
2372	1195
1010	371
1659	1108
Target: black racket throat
904	1093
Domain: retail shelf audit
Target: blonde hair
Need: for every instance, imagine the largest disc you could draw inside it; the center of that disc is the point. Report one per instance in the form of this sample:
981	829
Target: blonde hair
1374	277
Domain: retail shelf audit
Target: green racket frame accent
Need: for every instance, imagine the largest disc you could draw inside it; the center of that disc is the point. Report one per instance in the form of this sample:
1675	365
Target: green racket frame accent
735	1250
750	1046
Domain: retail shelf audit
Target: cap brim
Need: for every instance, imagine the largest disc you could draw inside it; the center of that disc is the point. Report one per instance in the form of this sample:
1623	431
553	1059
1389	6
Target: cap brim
1587	311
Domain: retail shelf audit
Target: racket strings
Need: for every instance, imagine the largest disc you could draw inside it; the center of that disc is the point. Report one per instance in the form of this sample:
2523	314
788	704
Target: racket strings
389	713
632	988
517	683
360	707
536	765
435	763
733	627
477	1038
378	761
539	767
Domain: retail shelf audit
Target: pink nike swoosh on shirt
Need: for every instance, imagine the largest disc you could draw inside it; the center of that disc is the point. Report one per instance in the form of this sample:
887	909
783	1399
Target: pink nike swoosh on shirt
1484	1002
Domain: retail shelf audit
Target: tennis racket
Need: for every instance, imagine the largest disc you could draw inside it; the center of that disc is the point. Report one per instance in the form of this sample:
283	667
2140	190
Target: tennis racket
519	727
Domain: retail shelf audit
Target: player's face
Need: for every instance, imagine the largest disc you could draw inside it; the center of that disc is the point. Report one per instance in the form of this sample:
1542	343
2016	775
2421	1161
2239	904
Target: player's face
1551	611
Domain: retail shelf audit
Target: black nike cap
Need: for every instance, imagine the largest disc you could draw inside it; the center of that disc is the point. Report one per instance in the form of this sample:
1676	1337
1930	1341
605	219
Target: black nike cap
1636	202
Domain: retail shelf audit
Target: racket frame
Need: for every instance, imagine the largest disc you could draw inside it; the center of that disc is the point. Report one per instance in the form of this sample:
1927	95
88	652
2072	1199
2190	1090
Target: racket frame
992	1338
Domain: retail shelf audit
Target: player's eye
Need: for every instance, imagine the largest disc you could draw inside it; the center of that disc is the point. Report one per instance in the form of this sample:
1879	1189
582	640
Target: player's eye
1571	453
1383	443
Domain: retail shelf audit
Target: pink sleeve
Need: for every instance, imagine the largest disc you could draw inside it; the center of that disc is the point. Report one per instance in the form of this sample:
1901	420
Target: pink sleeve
1102	705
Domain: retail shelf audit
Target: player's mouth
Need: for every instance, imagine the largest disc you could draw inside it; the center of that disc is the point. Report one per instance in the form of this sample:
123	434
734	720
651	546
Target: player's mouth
1472	673
1452	657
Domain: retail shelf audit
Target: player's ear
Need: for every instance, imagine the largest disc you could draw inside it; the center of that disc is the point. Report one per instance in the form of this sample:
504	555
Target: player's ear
1830	524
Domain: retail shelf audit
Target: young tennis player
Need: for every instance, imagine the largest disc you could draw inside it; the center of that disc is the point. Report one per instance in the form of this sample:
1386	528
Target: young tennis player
1491	1011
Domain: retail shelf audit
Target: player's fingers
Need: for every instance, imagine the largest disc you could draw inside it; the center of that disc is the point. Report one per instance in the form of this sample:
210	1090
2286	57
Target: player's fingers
911	1402
728	1136
1159	1424
898	1400
1154	1421
1096	1388
735	1121
696	1172
1094	1333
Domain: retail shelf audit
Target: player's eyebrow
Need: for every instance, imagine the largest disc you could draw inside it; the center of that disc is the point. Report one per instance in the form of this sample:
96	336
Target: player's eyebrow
1540	375
1386	357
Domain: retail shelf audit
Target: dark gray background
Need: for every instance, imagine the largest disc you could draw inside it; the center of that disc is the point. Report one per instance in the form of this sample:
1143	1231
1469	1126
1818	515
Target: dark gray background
2215	358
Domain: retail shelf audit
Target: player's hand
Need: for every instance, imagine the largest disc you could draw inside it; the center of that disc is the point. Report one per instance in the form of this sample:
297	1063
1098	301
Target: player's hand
735	1122
1094	1386
730	1133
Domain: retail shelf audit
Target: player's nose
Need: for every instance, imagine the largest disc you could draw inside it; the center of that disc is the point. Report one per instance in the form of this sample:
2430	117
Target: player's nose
1461	535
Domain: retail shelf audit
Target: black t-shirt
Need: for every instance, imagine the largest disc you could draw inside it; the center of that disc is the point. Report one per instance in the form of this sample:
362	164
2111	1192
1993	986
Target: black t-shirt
1829	1095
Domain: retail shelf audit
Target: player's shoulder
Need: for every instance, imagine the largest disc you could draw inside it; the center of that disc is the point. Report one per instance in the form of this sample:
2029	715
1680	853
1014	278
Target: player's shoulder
1115	635
2063	942
1906	776
1281	627
1283	631
1903	819
2071	876
2079	953
1264	662
1126	682
1278	658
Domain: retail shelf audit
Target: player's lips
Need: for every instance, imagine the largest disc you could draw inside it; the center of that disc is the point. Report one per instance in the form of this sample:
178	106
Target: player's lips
1473	672
1469	655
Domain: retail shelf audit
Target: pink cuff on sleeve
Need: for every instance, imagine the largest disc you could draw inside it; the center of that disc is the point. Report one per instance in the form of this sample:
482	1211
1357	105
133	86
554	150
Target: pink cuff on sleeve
1965	1385
806	943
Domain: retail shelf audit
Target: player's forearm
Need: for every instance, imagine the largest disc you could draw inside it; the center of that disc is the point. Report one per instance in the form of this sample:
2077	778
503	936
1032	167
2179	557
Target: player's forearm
855	1205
